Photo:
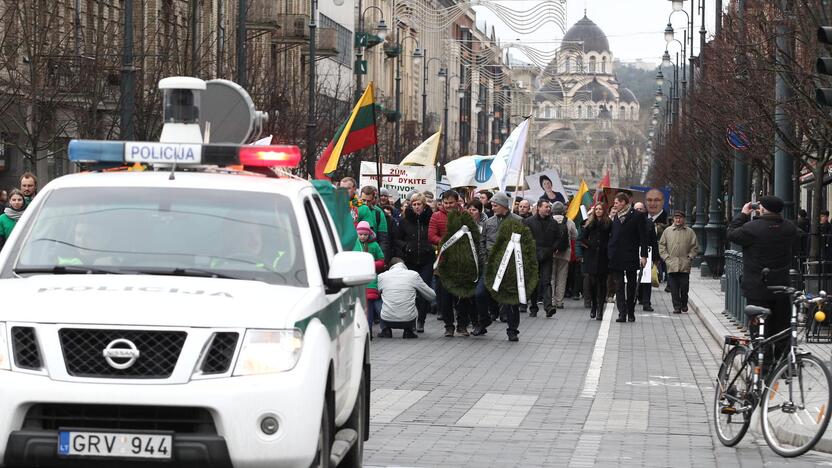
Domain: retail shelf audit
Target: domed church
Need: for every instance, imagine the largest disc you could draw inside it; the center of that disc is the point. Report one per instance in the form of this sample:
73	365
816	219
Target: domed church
583	119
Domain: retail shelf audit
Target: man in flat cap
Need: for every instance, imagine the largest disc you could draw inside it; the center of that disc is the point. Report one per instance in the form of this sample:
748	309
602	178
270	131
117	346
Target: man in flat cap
677	247
768	241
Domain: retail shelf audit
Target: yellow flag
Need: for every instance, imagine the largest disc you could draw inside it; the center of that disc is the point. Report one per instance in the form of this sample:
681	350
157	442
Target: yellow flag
575	204
425	153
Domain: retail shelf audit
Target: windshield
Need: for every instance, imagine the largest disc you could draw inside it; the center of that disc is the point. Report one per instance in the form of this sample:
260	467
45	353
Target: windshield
175	231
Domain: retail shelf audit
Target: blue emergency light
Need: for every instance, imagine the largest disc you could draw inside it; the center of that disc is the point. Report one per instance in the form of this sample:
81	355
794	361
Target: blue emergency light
186	154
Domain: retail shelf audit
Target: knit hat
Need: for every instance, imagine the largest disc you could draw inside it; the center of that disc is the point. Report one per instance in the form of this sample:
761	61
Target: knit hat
363	227
500	198
558	208
772	203
384	192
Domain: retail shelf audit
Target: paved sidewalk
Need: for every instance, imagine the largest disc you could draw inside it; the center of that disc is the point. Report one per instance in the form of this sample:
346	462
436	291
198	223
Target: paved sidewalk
708	302
573	392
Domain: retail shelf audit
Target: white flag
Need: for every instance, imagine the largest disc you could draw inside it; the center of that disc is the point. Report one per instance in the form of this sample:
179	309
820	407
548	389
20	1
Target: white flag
425	153
507	161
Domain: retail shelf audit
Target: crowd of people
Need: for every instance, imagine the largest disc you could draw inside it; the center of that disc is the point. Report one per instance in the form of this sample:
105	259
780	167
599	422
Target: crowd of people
607	254
14	203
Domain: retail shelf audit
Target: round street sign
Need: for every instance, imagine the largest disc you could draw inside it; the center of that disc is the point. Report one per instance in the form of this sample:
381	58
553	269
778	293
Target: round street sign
737	139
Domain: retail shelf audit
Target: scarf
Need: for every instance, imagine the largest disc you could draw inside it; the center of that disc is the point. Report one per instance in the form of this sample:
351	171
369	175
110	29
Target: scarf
624	213
12	213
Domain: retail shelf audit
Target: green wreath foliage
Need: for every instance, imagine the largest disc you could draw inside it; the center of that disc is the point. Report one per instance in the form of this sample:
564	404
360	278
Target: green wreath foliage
507	294
457	268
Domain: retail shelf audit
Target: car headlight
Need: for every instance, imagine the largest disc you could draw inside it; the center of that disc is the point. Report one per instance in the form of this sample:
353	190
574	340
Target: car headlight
269	351
5	357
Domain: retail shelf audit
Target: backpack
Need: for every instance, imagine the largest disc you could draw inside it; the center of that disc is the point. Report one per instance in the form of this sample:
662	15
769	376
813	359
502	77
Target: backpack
563	242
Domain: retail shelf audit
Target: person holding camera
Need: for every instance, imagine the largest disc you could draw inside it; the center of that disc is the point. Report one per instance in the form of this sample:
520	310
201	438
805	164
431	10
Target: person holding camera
768	242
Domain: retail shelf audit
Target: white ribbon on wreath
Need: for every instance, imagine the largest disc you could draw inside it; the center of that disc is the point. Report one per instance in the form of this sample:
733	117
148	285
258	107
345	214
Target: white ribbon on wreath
462	232
513	247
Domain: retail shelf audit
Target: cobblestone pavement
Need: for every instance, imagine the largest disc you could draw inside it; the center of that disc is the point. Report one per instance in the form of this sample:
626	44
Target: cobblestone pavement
562	396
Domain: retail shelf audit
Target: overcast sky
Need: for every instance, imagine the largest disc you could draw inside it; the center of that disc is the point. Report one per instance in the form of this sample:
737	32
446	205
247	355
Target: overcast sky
635	28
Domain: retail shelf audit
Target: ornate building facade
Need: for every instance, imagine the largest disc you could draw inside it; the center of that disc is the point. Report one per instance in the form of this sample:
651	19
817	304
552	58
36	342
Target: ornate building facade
585	123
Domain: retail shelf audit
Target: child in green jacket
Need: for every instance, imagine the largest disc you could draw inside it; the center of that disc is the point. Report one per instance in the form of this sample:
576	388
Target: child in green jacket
367	243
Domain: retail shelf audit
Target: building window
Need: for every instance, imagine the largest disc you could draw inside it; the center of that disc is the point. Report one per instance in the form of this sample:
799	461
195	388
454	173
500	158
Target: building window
578	114
559	112
568	65
622	115
603	65
632	113
579	64
548	112
592	64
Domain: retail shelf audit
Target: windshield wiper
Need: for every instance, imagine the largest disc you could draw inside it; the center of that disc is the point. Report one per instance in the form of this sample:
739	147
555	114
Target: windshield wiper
195	272
67	270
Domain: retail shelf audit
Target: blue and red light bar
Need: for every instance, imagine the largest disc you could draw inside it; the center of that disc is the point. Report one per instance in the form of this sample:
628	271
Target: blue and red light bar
184	154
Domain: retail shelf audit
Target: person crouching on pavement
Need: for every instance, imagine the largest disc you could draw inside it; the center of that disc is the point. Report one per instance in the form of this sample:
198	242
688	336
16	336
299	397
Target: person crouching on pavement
677	247
367	243
399	288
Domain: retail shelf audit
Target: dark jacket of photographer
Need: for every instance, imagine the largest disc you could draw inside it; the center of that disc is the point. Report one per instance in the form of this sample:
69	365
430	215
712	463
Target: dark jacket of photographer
767	241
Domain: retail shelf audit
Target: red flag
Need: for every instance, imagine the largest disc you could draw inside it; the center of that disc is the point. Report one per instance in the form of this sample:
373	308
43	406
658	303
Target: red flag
599	192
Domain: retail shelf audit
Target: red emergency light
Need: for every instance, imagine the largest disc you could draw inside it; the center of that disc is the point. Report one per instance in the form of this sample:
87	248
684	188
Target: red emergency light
270	156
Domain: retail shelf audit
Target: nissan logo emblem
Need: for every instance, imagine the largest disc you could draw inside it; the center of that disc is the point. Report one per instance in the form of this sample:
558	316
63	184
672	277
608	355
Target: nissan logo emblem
121	354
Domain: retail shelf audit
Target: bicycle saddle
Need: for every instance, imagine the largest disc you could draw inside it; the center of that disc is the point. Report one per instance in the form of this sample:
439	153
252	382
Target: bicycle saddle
756	311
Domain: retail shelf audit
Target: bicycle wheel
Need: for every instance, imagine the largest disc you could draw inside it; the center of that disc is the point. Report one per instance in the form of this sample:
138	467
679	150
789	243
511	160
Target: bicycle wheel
796	407
733	401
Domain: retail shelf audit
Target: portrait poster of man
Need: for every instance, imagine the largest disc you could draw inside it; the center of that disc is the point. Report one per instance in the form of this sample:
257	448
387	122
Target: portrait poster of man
546	184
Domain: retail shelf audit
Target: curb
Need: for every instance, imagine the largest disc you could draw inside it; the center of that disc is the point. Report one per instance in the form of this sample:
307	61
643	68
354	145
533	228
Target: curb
718	332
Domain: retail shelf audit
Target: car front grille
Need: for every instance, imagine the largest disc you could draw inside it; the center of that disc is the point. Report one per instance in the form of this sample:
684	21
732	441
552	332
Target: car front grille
179	419
25	347
158	352
220	353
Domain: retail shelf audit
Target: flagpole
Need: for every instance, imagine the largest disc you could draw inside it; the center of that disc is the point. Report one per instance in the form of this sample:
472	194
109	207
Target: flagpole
375	147
522	164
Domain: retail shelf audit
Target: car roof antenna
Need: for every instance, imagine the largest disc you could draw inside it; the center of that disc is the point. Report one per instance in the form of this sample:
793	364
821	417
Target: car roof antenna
172	170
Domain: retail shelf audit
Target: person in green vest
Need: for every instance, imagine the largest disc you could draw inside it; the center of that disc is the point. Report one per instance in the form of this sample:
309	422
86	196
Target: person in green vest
367	243
11	214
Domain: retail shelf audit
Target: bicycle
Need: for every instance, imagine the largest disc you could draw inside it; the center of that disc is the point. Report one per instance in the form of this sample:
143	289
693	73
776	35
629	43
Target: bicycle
794	397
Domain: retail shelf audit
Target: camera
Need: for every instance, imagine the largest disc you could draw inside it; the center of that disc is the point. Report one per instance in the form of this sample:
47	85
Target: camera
755	206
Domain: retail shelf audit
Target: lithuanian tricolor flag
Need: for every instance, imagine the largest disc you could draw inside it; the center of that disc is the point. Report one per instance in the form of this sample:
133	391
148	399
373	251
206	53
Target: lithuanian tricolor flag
357	133
582	198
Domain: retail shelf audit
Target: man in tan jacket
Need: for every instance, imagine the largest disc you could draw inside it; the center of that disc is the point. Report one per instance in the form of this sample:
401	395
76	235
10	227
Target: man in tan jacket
677	247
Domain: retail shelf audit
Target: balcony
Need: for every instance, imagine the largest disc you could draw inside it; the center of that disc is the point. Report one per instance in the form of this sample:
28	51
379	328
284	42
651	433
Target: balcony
293	28
326	44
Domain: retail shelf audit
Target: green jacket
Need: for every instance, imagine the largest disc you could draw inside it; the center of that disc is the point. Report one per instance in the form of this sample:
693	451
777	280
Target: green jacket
373	249
375	216
6	226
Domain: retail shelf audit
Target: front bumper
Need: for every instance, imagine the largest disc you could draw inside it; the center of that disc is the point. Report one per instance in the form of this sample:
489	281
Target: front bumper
40	448
236	404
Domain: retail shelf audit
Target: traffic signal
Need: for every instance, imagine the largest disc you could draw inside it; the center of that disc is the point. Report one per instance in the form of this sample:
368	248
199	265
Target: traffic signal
824	67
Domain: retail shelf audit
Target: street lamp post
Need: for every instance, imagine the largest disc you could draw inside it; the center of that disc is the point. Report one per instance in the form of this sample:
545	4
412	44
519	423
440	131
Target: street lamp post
362	43
740	196
426	61
311	118
444	76
417	55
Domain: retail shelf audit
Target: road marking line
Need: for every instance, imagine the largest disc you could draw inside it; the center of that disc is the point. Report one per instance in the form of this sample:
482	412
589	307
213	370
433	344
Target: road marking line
593	375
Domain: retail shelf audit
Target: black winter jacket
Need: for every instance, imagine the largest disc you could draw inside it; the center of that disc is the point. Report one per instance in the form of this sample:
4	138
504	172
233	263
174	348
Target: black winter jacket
594	240
412	244
767	242
547	233
628	241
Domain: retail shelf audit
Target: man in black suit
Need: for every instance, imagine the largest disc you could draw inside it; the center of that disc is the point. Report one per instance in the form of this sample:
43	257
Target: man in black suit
627	251
645	290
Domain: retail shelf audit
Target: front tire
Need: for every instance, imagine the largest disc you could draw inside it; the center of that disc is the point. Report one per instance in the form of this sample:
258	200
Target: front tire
795	410
322	459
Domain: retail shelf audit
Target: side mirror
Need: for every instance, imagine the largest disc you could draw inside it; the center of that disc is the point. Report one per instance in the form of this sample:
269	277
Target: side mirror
350	269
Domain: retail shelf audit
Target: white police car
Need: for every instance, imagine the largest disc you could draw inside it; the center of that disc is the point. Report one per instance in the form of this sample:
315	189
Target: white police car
182	318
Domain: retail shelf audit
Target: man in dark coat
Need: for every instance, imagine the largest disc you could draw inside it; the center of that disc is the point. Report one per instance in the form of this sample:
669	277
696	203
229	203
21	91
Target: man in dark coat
645	290
546	232
768	241
414	247
627	252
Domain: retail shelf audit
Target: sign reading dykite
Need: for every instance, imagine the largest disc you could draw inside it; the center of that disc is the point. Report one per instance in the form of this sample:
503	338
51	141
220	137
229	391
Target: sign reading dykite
151	152
402	179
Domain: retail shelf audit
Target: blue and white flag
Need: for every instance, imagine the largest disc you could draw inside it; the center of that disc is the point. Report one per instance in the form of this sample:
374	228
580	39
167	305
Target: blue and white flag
508	161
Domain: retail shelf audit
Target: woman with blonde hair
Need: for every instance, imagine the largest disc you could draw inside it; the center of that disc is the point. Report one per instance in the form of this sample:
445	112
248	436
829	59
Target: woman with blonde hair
594	238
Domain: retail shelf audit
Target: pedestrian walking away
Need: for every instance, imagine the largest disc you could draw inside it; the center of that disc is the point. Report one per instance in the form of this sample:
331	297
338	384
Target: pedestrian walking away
768	241
399	288
547	233
677	248
594	238
627	251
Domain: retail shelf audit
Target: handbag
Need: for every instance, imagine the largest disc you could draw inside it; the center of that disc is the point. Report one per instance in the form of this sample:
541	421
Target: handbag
654	276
